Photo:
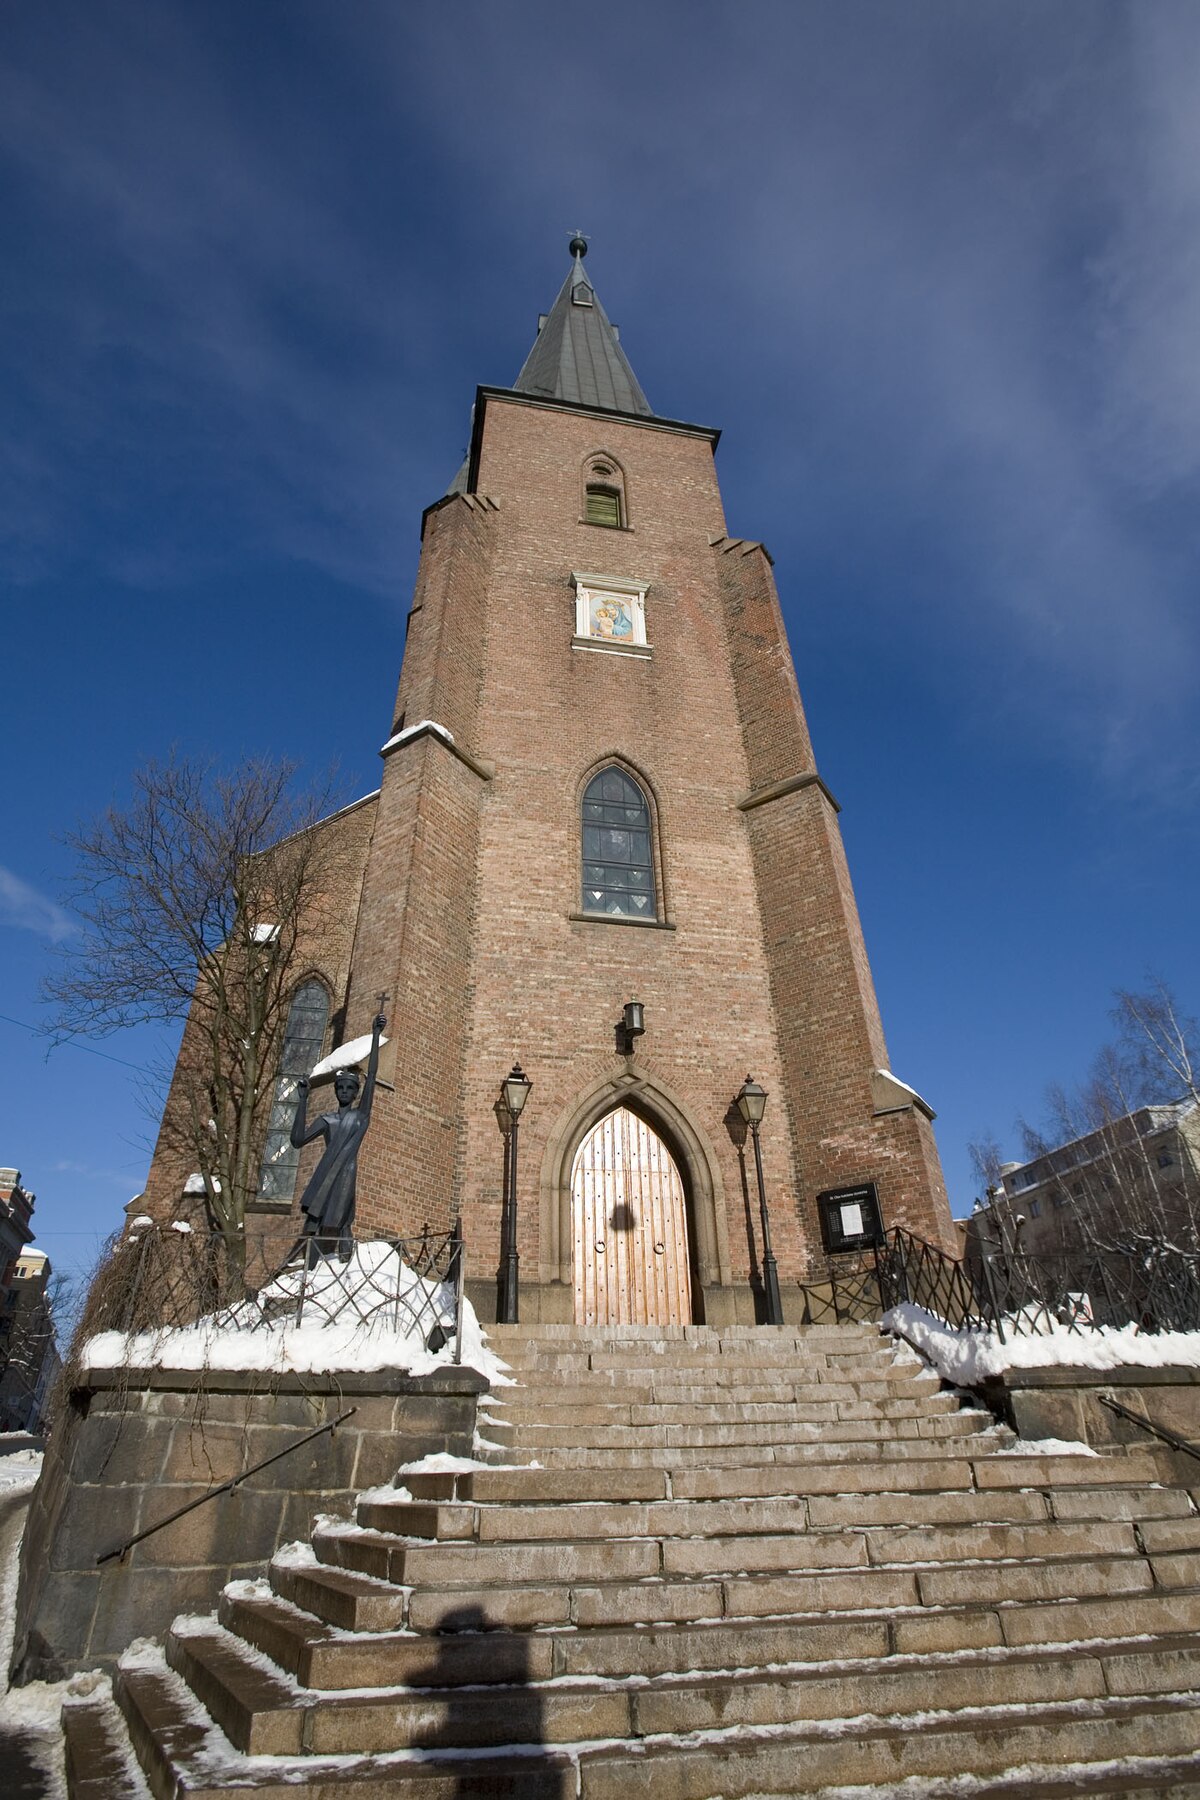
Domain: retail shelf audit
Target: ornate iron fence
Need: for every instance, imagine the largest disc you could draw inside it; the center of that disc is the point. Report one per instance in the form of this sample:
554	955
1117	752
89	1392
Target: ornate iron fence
849	1293
162	1278
909	1269
1151	1285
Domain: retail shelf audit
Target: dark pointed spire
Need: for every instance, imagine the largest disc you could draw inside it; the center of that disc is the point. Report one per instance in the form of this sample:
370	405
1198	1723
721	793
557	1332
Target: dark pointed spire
576	356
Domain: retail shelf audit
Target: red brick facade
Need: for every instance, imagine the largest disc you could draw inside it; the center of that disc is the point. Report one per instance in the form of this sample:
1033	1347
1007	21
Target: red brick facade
470	913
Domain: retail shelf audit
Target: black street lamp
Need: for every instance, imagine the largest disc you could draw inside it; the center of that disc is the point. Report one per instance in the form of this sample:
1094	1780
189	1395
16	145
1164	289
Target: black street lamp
752	1103
514	1091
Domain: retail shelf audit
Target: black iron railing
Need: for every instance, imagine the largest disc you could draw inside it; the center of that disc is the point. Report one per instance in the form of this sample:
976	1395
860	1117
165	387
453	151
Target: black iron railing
909	1269
161	1278
849	1293
1150	1285
1163	1433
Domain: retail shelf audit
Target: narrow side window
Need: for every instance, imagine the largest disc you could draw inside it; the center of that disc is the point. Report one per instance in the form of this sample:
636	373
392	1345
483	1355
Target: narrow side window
303	1040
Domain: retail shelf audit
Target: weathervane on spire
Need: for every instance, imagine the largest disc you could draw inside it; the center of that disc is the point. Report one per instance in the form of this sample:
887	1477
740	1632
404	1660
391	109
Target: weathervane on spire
578	245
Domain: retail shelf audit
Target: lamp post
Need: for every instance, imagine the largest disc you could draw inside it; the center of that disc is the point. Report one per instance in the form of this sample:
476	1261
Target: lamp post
514	1091
752	1103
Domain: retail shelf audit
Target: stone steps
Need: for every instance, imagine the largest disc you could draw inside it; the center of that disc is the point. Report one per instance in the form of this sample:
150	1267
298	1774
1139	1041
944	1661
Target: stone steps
736	1761
704	1593
652	1452
317	1655
578	1408
1165	1520
642	1435
98	1758
263	1715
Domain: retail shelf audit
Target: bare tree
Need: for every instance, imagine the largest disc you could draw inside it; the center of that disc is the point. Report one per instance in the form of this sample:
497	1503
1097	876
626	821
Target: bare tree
1159	1044
200	901
1120	1148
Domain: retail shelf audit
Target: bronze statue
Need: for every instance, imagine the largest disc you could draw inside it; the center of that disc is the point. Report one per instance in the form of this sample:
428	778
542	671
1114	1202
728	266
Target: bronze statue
328	1202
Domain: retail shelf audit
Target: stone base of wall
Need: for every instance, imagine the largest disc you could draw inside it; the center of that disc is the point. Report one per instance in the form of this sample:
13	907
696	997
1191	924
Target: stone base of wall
1065	1403
140	1445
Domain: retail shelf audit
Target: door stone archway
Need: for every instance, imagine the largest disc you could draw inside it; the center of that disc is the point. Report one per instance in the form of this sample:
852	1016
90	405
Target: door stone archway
630	1256
645	1094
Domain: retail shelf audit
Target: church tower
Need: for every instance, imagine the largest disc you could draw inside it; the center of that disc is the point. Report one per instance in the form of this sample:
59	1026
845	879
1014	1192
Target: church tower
598	788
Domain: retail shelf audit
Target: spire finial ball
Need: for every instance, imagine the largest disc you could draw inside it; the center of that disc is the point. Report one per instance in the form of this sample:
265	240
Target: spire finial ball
578	245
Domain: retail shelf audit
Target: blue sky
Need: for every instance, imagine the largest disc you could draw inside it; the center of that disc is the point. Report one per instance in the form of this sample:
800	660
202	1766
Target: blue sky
934	270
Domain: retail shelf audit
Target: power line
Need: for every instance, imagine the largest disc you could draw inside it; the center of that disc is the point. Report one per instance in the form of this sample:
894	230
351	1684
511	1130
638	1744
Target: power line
71	1044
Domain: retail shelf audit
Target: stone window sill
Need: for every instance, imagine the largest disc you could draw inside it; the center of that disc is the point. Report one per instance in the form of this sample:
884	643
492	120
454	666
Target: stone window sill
587	918
643	652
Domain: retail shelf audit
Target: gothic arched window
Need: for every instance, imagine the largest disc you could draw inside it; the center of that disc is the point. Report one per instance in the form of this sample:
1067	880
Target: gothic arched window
303	1039
618	860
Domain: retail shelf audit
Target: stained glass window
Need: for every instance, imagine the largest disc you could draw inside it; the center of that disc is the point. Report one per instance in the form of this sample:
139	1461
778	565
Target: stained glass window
618	869
302	1043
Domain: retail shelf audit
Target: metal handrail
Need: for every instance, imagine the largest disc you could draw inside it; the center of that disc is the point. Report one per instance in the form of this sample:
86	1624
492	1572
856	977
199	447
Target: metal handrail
1159	1431
224	1487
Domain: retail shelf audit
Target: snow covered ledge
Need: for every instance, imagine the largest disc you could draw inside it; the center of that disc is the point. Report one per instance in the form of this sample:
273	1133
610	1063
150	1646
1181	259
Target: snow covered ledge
889	1094
1048	1384
430	728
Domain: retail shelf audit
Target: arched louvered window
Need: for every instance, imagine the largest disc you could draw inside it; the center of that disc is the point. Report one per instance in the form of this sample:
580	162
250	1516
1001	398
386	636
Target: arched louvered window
303	1040
604	492
603	505
618	861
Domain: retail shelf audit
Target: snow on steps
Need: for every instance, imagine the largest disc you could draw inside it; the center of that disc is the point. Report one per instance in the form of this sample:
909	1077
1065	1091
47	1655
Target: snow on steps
782	1615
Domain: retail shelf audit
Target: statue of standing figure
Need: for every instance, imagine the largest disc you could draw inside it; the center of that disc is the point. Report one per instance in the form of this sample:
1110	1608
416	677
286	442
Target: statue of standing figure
328	1201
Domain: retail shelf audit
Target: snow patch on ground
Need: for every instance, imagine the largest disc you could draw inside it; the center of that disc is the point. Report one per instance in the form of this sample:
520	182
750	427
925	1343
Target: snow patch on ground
20	1469
441	1462
1047	1447
968	1357
385	1495
372	1312
30	1714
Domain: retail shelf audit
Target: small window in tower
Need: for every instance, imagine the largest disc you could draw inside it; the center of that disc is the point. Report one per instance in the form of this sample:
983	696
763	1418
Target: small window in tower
581	294
618	867
603	506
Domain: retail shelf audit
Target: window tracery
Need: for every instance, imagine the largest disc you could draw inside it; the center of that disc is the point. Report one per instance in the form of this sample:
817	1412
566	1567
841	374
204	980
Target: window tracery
618	856
303	1039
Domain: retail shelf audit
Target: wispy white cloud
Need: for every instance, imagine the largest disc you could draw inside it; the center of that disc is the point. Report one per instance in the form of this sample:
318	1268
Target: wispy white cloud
24	908
935	268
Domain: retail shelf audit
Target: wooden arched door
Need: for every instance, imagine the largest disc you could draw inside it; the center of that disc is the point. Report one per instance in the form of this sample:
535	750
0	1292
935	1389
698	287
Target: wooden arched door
629	1225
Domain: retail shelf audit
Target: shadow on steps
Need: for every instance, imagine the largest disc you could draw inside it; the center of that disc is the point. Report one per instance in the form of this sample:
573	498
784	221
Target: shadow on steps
527	1771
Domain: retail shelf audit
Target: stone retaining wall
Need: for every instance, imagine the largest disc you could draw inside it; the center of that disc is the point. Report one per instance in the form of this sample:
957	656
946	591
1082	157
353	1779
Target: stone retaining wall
1065	1403
137	1447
